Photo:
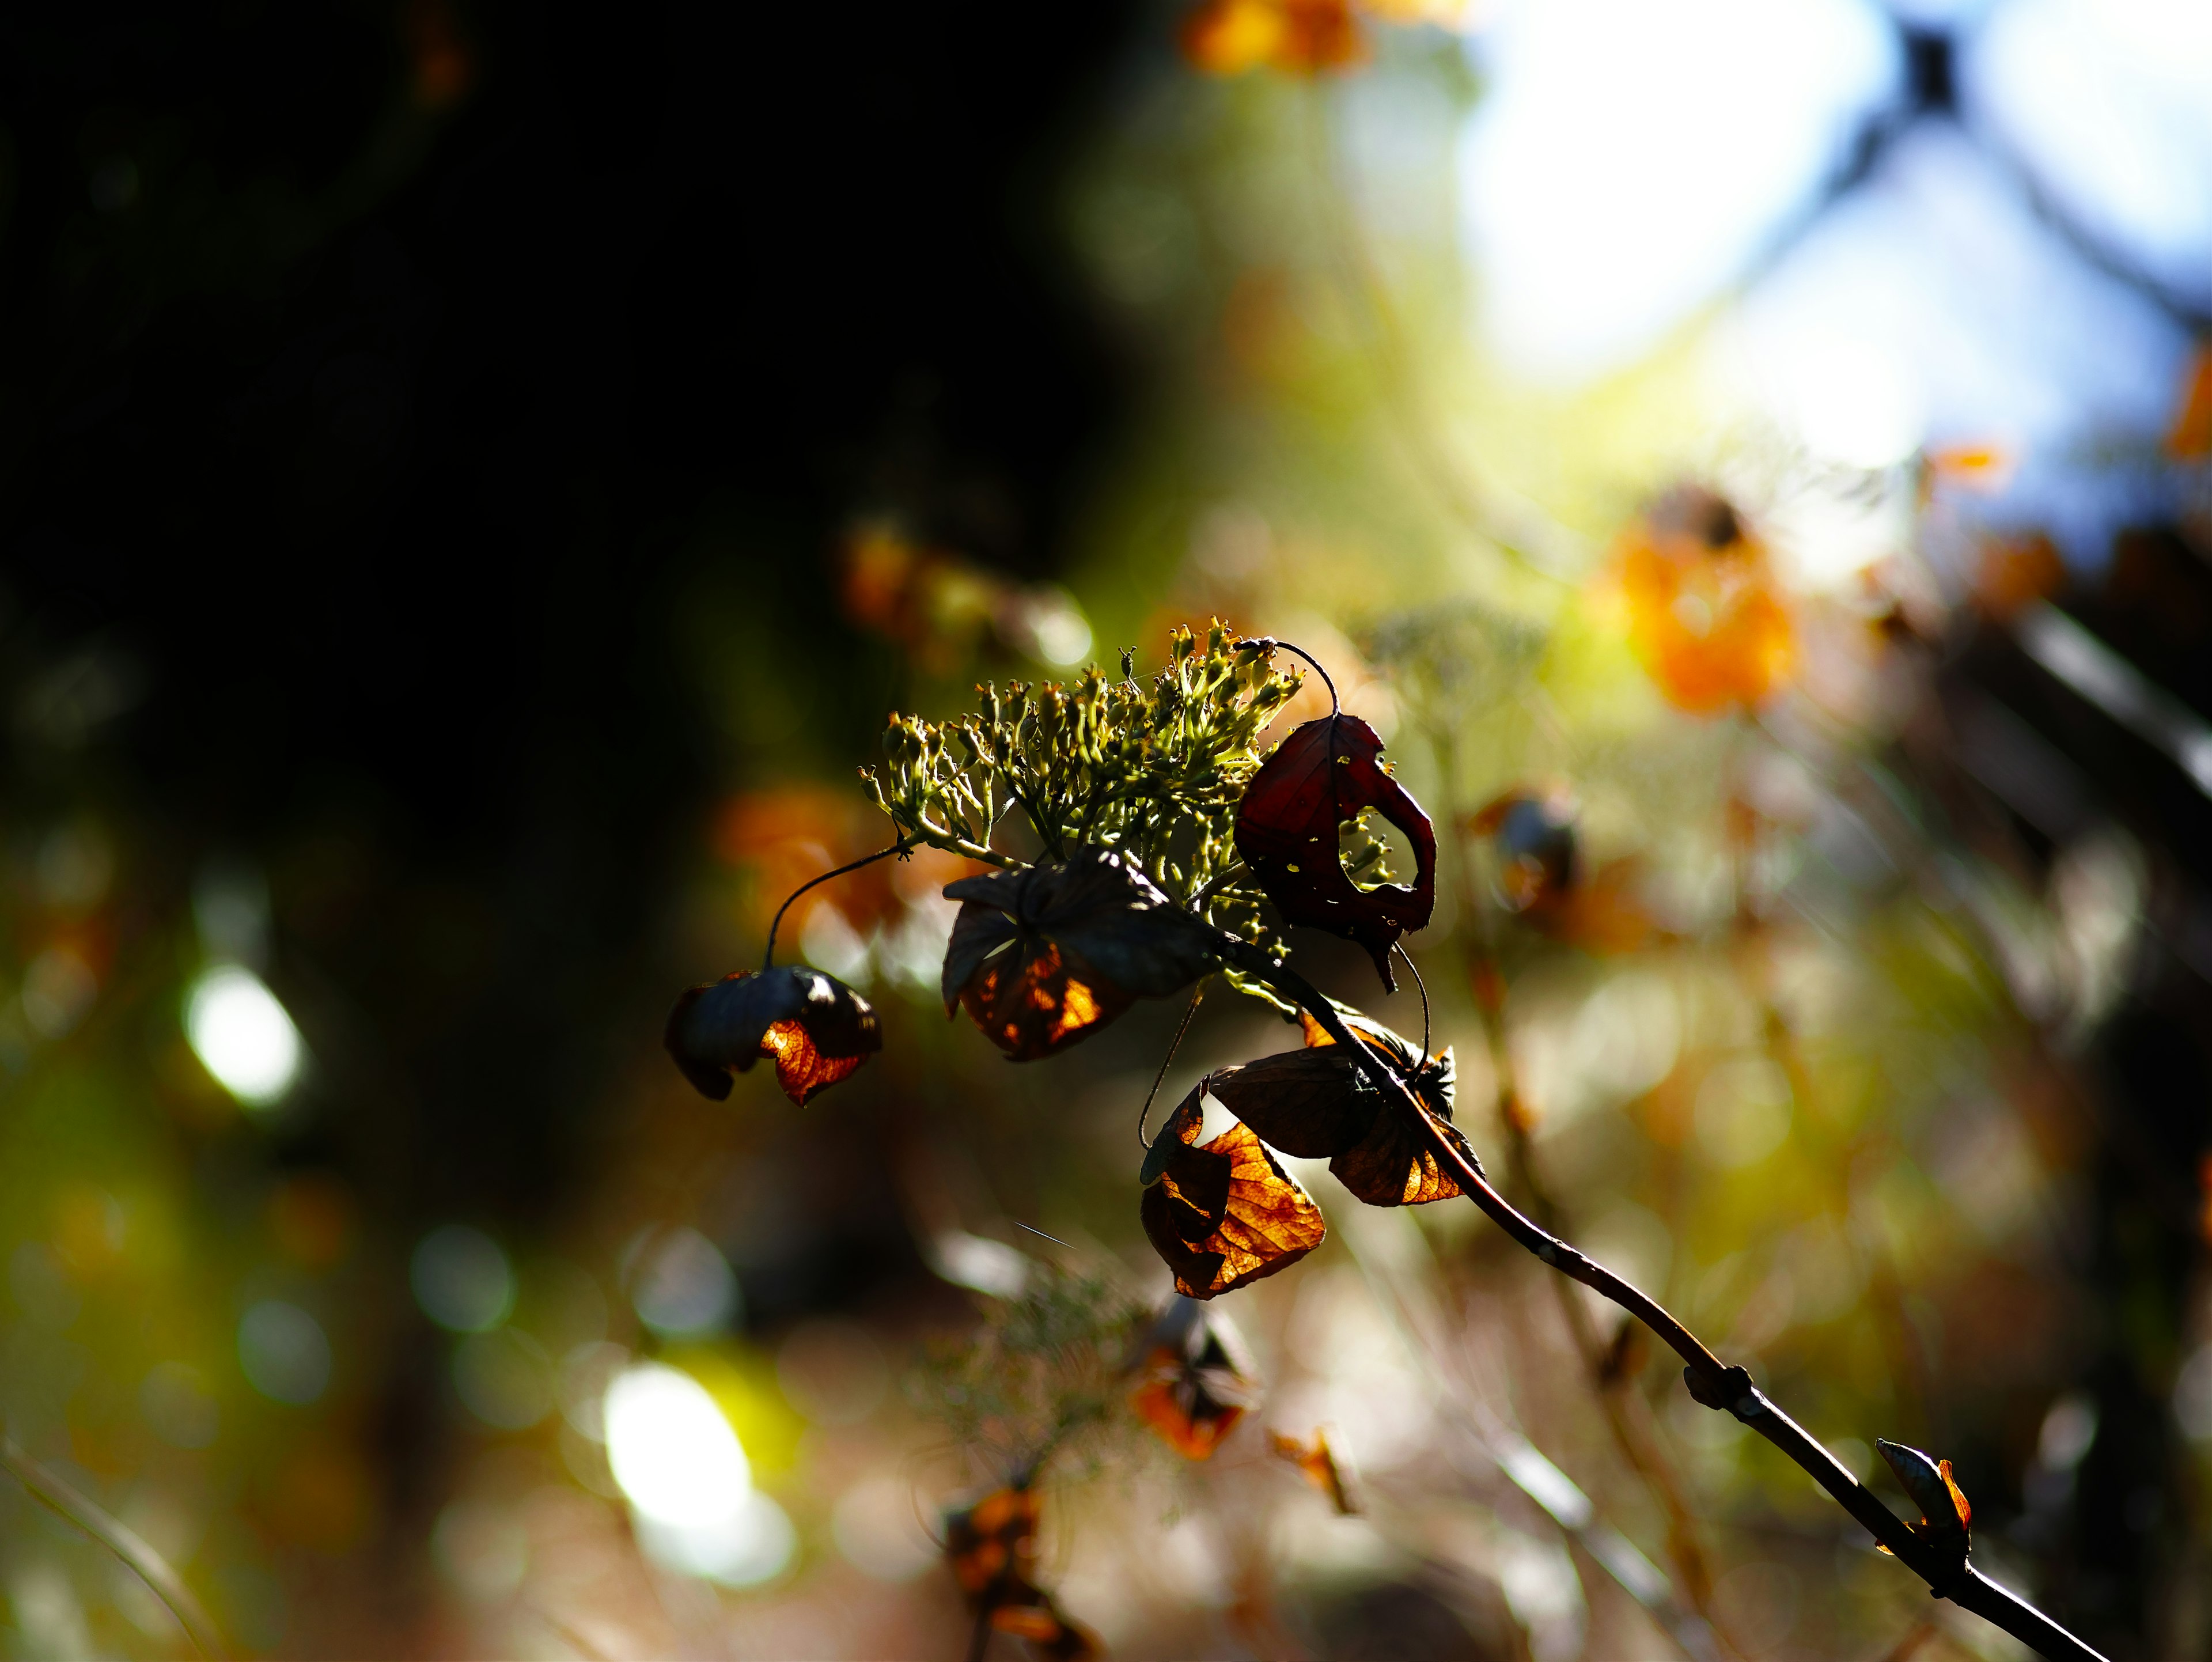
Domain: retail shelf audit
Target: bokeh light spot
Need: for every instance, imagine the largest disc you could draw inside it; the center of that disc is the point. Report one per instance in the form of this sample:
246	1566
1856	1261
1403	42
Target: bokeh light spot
462	1279
242	1035
681	1284
284	1352
673	1452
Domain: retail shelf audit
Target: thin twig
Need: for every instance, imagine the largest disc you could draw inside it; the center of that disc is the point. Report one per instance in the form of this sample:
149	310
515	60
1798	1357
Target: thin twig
52	1489
1713	1384
979	1641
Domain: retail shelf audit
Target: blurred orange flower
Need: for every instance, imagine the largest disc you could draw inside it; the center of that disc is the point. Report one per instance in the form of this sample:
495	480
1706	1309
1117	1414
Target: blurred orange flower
1299	37
1704	611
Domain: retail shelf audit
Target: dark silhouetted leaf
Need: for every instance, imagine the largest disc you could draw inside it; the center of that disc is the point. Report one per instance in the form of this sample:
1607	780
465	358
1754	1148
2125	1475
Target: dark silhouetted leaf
1319	1465
1311	1104
991	1548
1317	780
1194	1383
1224	1214
1043	957
815	1027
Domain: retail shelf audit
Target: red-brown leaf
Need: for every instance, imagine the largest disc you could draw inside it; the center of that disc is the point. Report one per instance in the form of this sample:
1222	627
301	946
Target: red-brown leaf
1318	779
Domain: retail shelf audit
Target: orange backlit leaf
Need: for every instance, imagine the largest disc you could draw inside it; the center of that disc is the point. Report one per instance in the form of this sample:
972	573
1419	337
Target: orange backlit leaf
815	1028
1193	1384
1224	1214
1323	775
1298	37
1319	1466
1030	1007
1042	958
1703	613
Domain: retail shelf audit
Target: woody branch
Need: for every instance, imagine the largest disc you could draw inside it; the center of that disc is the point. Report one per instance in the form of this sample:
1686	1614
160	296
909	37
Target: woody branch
1712	1383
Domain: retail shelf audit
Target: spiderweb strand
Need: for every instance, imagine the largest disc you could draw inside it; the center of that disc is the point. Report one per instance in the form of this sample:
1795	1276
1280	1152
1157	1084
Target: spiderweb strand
1158	1079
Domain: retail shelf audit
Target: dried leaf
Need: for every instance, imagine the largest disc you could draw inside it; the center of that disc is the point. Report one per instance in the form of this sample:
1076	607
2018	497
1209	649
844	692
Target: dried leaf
1224	1213
1043	957
1194	1383
1309	1104
1391	1164
1320	1467
1319	778
816	1028
1394	1164
991	1548
1946	1518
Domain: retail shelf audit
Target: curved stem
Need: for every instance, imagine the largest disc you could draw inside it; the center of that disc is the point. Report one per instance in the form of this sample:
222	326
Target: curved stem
1421	987
1173	1044
768	962
1711	1383
1335	704
52	1489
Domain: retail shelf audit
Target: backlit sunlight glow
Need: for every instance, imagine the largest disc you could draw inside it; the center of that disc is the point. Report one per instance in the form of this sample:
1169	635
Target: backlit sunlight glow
2111	102
243	1036
1607	192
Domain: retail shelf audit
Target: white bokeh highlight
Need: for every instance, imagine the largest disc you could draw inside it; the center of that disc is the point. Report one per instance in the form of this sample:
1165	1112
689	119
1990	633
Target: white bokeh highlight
243	1036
